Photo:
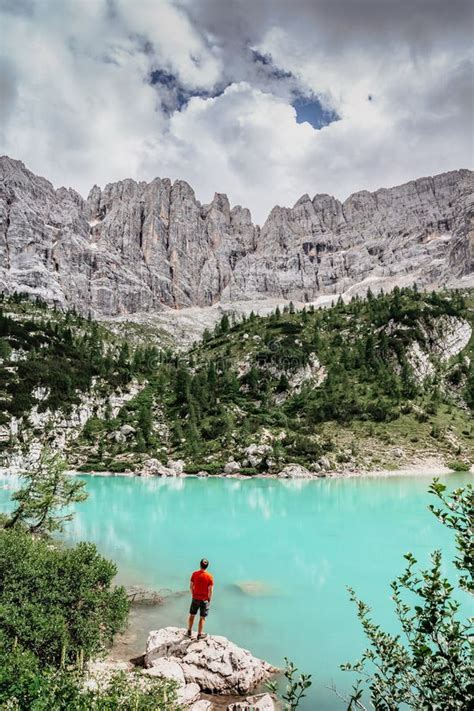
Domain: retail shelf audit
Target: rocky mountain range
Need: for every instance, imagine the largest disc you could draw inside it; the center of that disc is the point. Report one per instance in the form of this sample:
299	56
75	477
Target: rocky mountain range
136	246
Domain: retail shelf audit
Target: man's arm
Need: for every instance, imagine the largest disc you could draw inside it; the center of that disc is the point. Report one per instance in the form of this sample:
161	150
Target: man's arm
191	586
209	591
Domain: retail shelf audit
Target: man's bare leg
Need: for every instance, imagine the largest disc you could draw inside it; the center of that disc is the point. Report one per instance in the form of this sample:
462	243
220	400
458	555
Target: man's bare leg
190	622
201	624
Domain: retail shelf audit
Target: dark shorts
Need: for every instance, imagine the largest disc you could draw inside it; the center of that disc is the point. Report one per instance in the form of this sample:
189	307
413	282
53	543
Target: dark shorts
201	605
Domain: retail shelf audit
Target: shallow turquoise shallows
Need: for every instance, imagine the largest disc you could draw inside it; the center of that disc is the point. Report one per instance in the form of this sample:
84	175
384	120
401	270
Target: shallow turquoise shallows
300	543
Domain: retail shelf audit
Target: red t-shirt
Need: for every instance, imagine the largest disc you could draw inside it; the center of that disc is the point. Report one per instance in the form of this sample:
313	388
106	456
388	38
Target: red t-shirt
201	580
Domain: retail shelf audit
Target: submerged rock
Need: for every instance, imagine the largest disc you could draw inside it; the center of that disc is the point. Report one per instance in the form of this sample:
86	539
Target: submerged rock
254	587
215	664
138	595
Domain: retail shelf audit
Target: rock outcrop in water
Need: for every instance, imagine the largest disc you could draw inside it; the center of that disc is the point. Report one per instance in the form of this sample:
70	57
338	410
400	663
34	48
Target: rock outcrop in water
136	246
214	664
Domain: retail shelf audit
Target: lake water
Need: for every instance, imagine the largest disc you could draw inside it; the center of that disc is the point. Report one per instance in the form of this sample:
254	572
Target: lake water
301	543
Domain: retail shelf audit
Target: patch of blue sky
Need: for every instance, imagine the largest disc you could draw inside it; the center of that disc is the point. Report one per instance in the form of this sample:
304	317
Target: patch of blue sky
311	110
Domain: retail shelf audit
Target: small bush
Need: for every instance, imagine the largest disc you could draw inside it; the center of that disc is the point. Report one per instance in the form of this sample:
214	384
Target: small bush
459	466
118	467
58	603
435	432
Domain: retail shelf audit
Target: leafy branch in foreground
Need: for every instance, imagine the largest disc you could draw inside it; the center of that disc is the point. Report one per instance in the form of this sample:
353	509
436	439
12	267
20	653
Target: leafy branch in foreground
295	688
457	513
47	491
429	669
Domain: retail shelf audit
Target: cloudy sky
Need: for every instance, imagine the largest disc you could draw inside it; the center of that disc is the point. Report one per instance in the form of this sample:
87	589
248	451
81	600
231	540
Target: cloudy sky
262	99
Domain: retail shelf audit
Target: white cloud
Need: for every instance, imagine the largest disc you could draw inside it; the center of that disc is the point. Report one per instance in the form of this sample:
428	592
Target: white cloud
176	44
78	106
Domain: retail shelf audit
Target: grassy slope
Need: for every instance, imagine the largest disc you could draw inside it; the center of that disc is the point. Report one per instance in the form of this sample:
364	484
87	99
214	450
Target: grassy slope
236	388
242	385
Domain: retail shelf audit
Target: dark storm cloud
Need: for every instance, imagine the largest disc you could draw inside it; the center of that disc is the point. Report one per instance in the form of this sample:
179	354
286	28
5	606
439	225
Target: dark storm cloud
8	92
17	7
338	23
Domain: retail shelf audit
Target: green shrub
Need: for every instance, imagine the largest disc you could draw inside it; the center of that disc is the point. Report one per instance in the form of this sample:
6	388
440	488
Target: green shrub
94	466
121	467
58	602
459	466
27	686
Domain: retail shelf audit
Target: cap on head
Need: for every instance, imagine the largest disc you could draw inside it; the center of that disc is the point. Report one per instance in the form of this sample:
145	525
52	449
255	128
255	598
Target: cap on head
204	563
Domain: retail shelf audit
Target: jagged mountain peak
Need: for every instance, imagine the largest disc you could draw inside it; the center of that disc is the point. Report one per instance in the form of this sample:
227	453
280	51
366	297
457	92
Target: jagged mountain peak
136	246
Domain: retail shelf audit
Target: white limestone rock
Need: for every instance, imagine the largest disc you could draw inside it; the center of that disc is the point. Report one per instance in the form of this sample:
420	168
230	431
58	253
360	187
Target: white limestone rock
167	669
188	694
232	467
137	247
176	466
214	663
256	454
294	471
201	705
324	463
153	467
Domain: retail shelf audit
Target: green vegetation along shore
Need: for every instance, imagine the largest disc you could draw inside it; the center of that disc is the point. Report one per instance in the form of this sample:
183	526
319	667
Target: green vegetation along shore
374	383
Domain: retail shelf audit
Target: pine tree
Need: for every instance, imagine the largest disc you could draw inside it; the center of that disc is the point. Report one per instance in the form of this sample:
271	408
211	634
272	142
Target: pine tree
48	490
182	385
145	420
283	384
224	324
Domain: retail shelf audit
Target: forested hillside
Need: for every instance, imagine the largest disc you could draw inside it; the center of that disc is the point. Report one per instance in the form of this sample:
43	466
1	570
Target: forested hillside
378	381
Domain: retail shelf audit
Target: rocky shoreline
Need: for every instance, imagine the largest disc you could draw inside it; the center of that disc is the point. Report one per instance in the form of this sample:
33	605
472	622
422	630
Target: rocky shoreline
427	467
175	469
212	673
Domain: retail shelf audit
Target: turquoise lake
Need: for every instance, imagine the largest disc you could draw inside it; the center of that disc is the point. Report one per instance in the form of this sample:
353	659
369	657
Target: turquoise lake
302	542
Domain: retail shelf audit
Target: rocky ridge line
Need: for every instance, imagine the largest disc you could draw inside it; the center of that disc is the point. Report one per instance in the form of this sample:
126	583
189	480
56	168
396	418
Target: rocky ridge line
136	246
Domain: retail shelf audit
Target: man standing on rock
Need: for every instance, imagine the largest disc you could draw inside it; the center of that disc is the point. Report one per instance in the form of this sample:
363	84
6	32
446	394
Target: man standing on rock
201	586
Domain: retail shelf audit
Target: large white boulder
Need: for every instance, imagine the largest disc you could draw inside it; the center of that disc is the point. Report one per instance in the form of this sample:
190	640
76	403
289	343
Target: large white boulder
167	669
216	664
231	467
188	694
176	465
201	705
153	467
294	471
255	454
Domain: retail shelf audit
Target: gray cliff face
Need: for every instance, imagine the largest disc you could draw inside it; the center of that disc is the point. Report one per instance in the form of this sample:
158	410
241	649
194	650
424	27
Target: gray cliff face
136	246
